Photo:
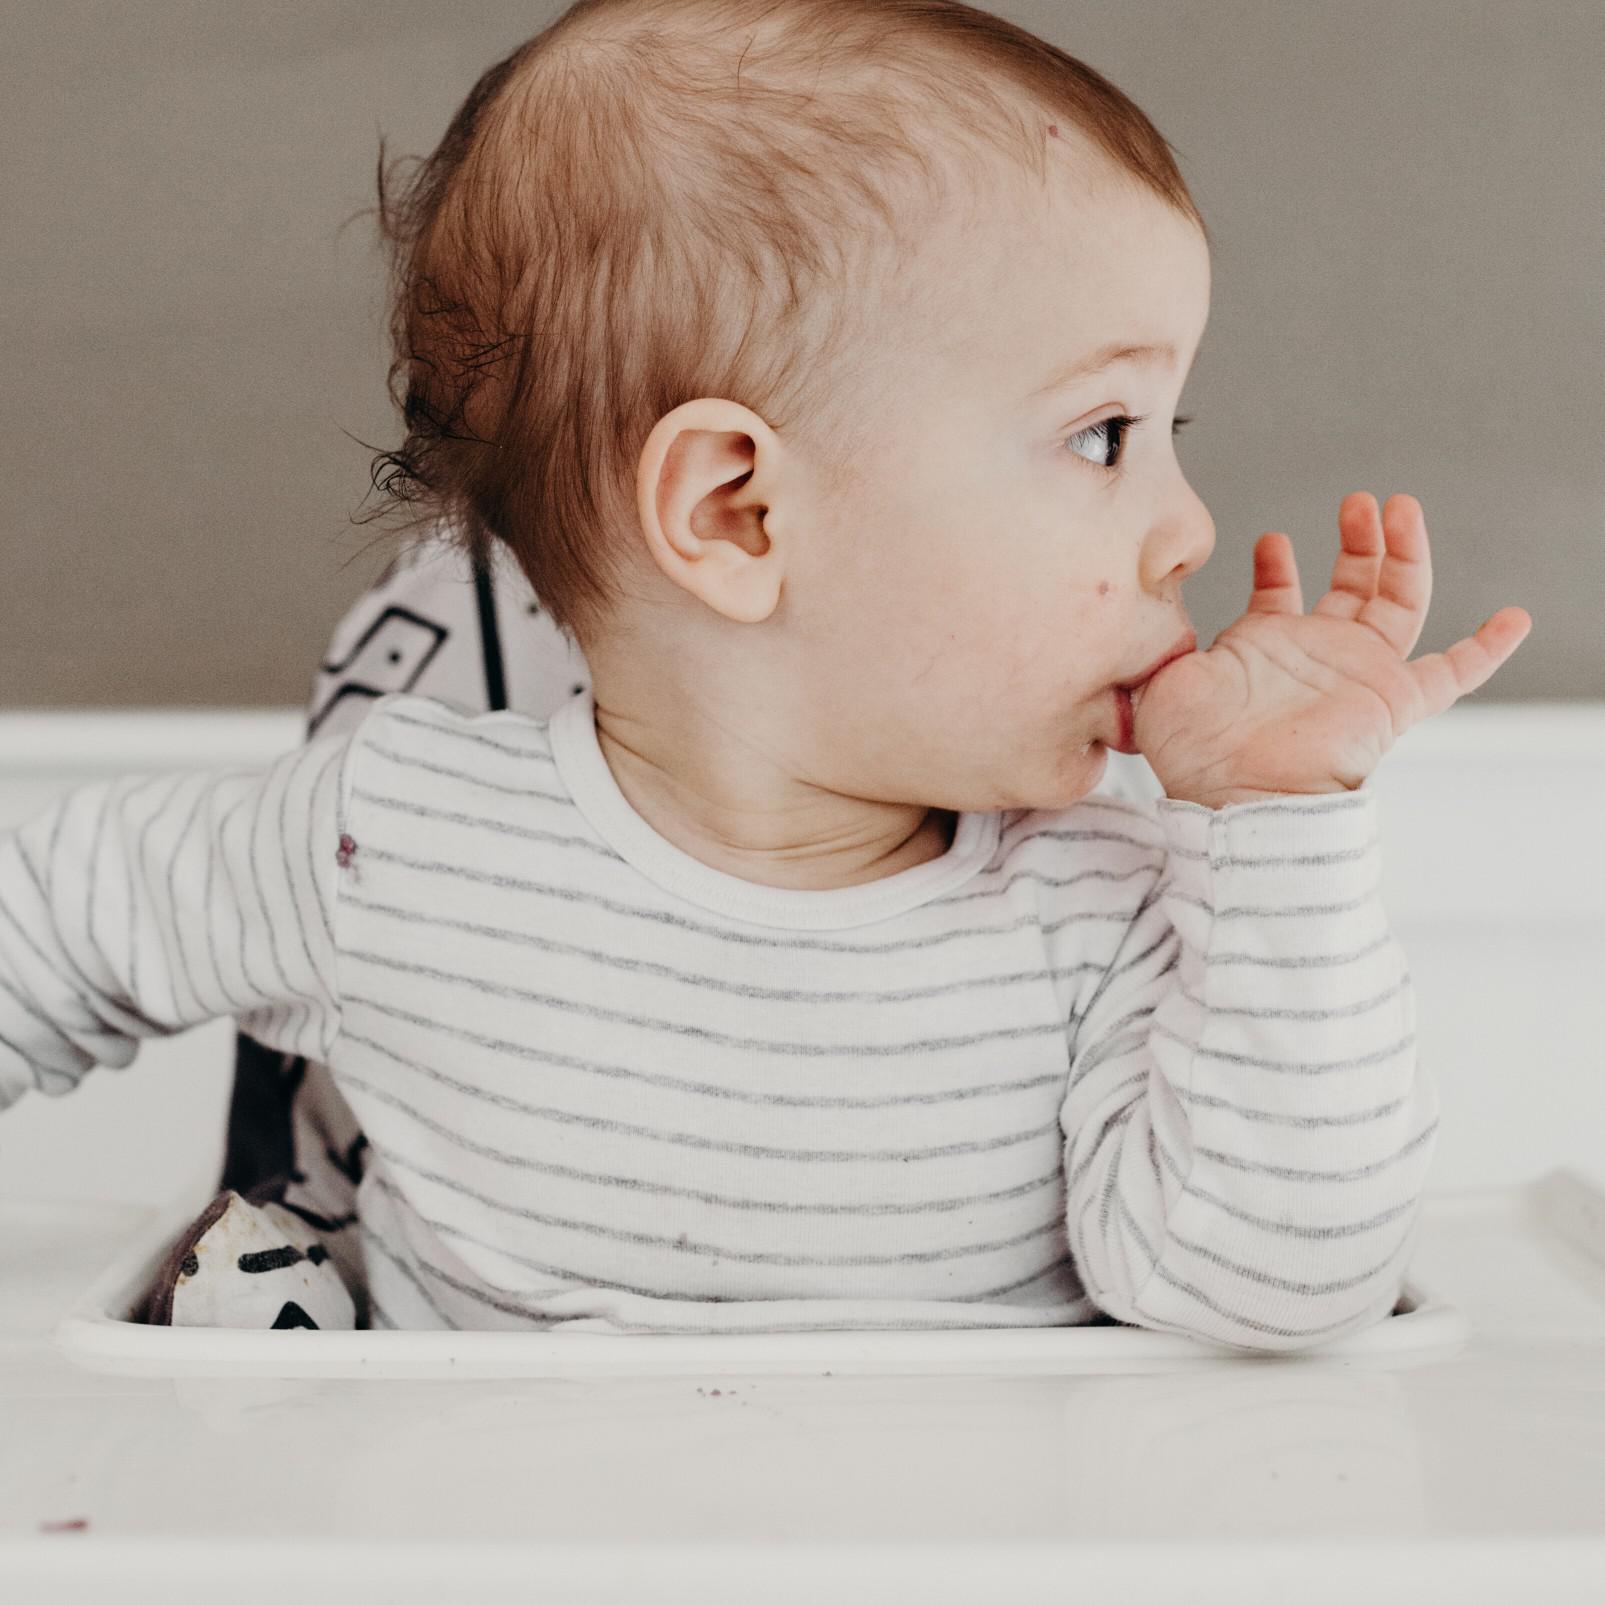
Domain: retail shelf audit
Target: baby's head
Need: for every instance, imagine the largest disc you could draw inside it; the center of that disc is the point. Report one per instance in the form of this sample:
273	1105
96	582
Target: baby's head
746	326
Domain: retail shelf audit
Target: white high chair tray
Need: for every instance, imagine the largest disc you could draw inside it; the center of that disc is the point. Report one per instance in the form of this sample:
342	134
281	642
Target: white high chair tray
99	1333
1463	1459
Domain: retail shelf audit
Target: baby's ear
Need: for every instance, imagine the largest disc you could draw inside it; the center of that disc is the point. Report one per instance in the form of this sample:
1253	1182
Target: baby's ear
701	489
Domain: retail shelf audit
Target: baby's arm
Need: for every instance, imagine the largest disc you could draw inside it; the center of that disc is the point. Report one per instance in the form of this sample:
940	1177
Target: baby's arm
141	906
1248	1131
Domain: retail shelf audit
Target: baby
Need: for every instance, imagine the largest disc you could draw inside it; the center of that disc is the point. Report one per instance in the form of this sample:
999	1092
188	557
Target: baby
816	362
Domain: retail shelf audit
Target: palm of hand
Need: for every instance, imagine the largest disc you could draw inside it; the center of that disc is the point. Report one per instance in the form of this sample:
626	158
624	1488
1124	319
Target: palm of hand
1289	702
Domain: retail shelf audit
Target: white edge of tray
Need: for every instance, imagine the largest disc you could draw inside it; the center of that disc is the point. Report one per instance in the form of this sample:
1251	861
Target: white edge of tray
96	1334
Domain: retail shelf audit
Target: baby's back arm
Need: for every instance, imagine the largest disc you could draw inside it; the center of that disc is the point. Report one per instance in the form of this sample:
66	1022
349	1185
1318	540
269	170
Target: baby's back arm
144	905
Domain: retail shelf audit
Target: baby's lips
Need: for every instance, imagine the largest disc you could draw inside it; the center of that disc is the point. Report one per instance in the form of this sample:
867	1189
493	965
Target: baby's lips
1184	648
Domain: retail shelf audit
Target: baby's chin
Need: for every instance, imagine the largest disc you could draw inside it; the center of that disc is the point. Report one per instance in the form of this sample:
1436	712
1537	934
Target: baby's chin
1086	768
989	770
1075	773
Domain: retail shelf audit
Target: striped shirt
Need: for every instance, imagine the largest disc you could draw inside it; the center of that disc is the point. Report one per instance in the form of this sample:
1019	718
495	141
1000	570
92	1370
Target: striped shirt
1152	1063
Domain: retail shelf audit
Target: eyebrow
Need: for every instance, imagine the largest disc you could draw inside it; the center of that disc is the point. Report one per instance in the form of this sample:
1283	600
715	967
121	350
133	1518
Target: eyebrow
1105	357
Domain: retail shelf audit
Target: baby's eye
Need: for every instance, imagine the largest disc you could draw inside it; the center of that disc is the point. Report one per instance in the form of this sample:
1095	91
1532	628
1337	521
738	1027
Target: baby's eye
1113	431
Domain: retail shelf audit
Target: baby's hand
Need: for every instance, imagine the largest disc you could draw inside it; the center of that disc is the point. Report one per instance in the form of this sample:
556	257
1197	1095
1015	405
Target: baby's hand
1288	702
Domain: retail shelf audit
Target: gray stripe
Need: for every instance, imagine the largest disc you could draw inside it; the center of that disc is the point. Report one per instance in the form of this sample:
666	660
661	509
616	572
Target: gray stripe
1342	1011
90	900
703	1089
370	1236
788	942
203	790
314	981
1142	1011
529	752
1252	1325
260	993
1304	1122
1168	936
746	1149
1381	1056
496	827
137	867
1147	844
1341	803
1289	1173
1308	961
1286	860
637	1184
462	774
996	890
1244	910
330	768
286	988
1167	933
211	780
1128	1042
99	1005
1123	916
1148	1251
586	1281
213	944
130	865
1164	1274
675	1028
1279	1228
1177	1174
1112	1179
103	1008
1120	1121
112	791
704	982
683	1243
1099	1145
1286	1284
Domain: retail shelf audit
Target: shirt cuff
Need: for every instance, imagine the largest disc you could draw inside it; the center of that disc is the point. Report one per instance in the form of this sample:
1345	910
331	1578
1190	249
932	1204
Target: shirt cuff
1280	854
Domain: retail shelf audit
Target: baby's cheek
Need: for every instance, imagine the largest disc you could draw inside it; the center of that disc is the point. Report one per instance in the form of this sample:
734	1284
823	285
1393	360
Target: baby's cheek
1103	587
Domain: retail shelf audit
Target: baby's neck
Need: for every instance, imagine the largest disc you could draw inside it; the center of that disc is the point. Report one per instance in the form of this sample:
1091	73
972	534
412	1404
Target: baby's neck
838	855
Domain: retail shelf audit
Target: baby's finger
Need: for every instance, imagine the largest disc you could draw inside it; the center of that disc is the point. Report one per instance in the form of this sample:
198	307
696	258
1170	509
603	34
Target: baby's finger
1276	586
1444	677
1359	559
1404	585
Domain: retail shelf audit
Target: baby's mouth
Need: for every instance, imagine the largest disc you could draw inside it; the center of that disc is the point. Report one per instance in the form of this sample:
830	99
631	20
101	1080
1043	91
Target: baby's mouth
1127	692
1126	740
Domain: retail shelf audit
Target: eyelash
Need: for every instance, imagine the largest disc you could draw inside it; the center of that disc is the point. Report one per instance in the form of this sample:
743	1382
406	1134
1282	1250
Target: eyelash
1122	425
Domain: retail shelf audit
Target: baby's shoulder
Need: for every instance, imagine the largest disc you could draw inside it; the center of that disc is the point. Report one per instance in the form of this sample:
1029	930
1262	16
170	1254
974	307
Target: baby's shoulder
410	723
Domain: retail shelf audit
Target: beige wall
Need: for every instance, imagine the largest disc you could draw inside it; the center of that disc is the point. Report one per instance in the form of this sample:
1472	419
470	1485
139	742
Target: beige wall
1408	199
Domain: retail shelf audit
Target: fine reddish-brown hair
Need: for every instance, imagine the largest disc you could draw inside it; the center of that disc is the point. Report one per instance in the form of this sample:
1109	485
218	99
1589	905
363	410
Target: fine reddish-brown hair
655	200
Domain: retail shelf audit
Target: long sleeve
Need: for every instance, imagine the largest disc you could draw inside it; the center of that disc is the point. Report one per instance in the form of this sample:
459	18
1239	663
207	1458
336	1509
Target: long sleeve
141	906
1248	1133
